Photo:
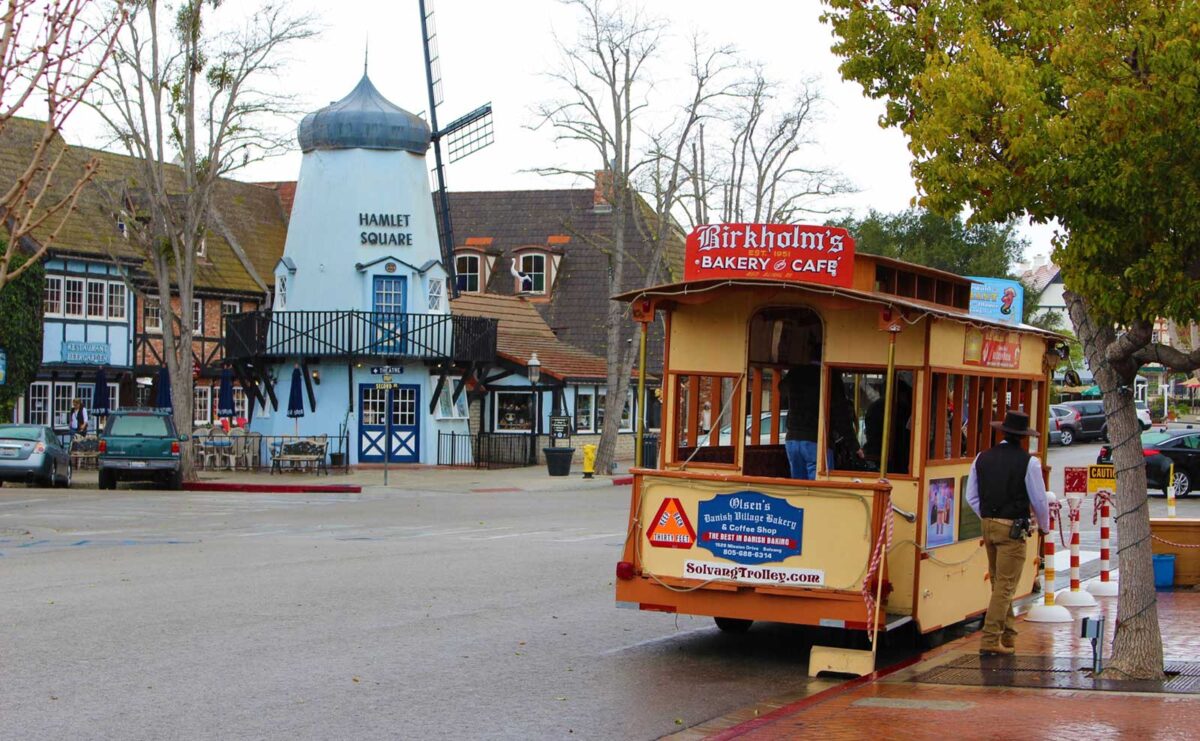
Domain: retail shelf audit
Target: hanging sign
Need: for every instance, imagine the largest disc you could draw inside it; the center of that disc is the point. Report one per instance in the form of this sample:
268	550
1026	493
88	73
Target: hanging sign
992	348
793	252
380	370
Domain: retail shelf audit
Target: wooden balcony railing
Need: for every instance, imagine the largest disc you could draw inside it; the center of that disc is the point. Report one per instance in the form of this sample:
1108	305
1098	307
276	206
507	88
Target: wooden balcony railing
268	334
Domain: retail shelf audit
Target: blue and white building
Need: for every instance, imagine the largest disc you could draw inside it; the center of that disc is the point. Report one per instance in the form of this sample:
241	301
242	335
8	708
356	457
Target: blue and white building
361	303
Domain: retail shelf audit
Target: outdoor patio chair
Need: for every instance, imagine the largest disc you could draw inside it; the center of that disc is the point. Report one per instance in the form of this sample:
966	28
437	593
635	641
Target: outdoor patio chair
237	453
253	445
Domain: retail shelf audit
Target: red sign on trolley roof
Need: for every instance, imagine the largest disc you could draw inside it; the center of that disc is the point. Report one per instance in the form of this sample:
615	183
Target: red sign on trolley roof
793	252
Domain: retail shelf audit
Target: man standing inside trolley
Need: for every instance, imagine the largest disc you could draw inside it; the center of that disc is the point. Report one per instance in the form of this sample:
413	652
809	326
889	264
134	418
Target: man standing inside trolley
1005	482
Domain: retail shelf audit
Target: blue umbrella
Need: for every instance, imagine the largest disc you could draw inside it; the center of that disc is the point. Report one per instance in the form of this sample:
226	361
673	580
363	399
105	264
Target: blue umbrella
163	398
100	400
296	398
225	395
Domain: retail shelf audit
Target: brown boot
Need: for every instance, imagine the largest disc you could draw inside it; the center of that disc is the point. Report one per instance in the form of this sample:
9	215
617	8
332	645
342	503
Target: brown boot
997	650
1009	640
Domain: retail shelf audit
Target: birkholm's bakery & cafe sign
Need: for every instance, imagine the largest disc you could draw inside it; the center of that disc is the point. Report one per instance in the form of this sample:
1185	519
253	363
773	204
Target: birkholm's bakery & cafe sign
794	252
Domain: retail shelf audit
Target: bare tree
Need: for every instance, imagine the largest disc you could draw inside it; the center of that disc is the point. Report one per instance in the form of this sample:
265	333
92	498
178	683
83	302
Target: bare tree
50	53
606	77
178	91
766	170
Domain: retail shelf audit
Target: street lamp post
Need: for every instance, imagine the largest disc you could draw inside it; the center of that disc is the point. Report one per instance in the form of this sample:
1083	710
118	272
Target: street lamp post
534	373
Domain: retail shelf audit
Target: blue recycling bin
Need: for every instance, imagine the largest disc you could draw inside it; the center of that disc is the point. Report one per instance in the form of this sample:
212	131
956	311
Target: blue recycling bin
1164	570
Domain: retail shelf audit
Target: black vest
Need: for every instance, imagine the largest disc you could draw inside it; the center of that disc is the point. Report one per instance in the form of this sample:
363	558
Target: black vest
1000	474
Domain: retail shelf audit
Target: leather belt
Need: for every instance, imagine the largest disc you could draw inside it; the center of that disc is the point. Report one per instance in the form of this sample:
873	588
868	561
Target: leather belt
1001	520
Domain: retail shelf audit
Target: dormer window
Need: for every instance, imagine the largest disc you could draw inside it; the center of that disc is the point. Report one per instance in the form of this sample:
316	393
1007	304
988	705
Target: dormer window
467	272
533	273
281	293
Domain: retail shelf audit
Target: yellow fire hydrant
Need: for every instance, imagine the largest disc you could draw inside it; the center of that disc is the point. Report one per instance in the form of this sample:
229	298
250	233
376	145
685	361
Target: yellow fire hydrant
589	460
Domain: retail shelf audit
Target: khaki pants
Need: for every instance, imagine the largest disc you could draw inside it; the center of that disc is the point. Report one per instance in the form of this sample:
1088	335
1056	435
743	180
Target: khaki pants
1006	560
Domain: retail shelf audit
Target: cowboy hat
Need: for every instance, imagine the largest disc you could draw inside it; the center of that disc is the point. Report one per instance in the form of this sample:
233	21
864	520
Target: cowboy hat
1015	422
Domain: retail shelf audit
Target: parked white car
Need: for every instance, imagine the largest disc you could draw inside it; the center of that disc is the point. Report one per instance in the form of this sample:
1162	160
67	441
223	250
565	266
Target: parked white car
1143	414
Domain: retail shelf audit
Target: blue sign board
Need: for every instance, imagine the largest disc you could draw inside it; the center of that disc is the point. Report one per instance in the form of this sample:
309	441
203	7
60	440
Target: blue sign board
86	353
750	527
998	299
3	367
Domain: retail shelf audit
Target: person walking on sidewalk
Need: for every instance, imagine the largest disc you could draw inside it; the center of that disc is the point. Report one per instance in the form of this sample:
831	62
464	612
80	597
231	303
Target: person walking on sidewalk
1004	484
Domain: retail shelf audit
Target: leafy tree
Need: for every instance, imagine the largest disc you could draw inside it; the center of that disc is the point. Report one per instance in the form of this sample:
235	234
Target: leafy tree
21	329
1078	111
945	243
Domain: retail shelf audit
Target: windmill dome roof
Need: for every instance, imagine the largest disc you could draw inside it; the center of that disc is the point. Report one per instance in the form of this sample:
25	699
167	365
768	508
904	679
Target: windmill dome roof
364	119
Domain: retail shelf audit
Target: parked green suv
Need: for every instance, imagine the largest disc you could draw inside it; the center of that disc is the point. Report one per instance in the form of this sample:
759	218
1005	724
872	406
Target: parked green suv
140	445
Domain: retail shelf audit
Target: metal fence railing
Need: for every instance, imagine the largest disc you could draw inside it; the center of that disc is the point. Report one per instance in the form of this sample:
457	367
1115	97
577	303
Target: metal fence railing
276	453
485	449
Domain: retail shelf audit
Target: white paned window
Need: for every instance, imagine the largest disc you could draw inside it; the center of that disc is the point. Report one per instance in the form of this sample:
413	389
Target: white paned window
116	300
230	307
583	409
95	299
114	396
84	391
240	407
447	408
281	293
73	297
63	394
152	314
197	316
533	268
52	295
435	294
466	270
37	406
202	405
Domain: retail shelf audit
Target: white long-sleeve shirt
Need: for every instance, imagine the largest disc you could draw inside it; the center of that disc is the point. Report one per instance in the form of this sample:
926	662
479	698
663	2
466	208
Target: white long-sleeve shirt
1033	485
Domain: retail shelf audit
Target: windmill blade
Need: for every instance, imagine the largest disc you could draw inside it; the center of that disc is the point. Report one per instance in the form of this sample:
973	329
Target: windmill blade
433	62
468	134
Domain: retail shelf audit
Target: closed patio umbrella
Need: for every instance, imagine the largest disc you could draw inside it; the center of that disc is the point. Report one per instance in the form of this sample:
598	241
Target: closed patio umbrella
225	395
163	395
296	398
100	401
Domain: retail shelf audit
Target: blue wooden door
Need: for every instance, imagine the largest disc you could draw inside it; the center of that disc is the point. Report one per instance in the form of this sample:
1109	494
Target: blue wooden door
390	300
389	419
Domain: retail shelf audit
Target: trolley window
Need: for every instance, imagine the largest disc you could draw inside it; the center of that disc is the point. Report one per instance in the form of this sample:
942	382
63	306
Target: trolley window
706	412
855	406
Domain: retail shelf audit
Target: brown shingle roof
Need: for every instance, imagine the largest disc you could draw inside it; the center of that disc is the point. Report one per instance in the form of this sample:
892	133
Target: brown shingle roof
522	332
252	214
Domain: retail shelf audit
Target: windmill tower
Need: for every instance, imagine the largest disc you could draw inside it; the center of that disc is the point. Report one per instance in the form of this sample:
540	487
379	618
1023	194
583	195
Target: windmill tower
463	136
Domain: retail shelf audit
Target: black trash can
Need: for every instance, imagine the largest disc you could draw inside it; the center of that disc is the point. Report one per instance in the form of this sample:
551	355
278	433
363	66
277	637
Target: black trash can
558	460
337	460
650	451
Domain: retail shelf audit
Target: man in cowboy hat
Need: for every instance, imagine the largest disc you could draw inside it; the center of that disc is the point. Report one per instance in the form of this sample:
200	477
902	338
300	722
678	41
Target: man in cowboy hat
1005	482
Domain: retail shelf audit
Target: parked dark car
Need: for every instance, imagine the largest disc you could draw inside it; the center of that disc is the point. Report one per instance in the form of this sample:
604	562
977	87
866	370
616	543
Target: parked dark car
1161	449
1063	424
140	446
1092	423
33	454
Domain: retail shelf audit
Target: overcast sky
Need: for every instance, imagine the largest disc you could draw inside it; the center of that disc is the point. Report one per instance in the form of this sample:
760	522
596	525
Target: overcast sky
497	51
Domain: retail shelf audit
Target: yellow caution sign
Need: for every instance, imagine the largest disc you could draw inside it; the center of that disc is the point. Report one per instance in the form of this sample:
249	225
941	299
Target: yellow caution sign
1102	478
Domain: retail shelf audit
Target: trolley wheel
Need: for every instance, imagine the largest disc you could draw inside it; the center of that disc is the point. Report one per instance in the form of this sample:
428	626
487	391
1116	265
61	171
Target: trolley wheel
733	625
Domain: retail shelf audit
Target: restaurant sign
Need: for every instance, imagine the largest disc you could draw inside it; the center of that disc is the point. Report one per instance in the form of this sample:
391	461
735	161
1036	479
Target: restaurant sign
992	348
85	353
792	252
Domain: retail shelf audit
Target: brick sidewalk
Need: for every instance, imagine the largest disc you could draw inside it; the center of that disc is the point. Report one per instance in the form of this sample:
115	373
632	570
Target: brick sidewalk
895	706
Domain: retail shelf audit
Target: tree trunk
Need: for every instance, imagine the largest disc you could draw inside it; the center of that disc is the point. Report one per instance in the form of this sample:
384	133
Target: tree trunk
1137	650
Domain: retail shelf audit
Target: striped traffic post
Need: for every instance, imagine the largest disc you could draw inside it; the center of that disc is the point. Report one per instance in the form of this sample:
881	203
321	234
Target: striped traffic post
1074	596
1048	612
1107	586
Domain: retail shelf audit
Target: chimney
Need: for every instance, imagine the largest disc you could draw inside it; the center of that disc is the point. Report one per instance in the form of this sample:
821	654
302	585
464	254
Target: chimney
600	200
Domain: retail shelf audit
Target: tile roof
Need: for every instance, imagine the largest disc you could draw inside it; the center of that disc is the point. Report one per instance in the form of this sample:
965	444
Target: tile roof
250	215
522	332
1040	277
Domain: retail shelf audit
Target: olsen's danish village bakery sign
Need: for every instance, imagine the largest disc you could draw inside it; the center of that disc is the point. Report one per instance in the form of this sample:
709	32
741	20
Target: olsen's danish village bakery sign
792	252
384	230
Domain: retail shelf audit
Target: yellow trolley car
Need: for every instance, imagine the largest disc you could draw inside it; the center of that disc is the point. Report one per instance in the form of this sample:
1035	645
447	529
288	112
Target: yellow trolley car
882	535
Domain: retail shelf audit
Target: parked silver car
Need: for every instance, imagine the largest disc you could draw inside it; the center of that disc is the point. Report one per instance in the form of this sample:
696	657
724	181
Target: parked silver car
33	454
